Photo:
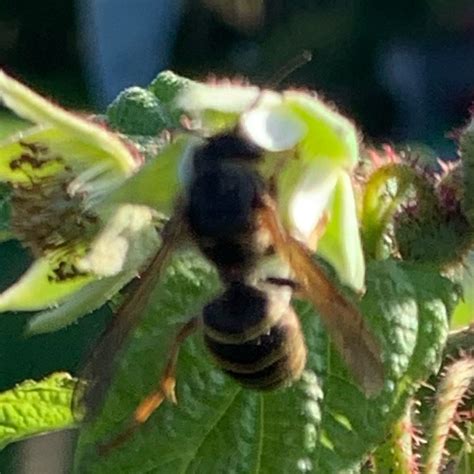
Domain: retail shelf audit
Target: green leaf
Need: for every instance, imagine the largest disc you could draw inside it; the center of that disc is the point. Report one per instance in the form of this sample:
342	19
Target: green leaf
437	298
33	408
323	423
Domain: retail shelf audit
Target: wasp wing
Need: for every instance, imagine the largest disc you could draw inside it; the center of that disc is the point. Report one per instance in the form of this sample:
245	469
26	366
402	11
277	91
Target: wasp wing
345	324
98	371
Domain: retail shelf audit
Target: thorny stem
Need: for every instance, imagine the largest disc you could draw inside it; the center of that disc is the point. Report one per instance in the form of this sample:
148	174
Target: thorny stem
453	388
459	341
396	453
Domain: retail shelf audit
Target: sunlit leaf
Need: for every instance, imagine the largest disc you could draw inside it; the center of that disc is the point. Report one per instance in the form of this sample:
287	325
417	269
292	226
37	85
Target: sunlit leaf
33	408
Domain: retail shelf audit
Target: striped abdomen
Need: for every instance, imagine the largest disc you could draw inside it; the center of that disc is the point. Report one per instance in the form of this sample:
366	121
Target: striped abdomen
255	336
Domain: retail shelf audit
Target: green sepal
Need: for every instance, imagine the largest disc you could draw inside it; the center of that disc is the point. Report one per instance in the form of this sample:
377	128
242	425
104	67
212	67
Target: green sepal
40	287
82	302
74	138
158	182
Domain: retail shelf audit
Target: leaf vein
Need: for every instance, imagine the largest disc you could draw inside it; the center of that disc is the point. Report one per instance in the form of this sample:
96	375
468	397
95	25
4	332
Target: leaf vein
260	435
209	431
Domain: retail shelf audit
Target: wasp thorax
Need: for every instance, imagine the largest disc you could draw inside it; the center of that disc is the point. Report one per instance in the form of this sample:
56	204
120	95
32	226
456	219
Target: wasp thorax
45	216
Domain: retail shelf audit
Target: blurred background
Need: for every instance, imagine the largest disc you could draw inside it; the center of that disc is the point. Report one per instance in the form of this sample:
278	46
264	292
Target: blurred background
404	71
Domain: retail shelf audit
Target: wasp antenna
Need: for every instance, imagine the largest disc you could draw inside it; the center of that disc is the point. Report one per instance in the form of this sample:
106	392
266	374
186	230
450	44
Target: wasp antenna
292	65
303	58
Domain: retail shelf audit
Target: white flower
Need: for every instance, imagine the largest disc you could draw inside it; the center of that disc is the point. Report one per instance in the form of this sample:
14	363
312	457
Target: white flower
314	182
59	171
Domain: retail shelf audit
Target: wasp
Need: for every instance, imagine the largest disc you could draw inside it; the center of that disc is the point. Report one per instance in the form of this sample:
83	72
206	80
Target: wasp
228	210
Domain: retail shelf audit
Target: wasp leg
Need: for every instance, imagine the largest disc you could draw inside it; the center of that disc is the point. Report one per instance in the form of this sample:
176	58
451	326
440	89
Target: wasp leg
164	391
168	380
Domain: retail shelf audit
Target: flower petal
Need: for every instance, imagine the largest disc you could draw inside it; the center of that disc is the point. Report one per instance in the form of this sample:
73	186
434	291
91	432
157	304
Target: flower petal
274	128
330	136
228	98
127	241
41	287
341	245
219	106
306	202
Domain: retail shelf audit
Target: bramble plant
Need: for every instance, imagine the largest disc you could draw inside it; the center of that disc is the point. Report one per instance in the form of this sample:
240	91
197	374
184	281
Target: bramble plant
85	196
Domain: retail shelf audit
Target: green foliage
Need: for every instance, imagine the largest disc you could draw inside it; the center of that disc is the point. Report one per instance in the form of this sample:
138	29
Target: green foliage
322	424
32	408
424	219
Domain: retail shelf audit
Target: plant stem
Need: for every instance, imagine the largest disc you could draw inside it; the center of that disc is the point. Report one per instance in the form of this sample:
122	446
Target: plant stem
396	454
452	389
